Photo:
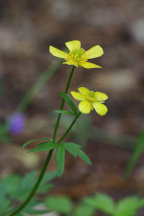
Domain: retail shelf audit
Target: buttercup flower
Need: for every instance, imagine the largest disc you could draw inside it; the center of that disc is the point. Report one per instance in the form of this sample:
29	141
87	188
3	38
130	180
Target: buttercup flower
77	56
89	100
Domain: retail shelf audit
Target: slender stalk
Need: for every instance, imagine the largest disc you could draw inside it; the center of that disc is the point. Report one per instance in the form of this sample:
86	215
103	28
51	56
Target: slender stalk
62	104
68	130
33	191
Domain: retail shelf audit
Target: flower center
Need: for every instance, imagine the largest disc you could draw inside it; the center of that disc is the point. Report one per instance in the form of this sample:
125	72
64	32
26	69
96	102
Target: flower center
77	55
91	96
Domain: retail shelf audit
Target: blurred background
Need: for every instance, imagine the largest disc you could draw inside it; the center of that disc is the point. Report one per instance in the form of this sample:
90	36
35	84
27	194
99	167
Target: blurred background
27	28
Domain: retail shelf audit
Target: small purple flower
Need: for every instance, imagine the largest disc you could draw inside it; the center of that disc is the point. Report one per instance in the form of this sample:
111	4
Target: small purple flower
16	123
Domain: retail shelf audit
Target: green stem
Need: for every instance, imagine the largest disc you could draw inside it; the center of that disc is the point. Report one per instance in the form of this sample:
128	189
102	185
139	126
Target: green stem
33	191
38	85
62	104
68	130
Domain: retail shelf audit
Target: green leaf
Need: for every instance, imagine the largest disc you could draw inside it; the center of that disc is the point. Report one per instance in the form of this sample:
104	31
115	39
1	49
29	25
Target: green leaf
72	148
102	202
31	141
37	212
44	146
128	206
64	112
44	186
136	154
26	184
4	202
60	159
12	182
105	203
61	204
83	210
69	102
83	156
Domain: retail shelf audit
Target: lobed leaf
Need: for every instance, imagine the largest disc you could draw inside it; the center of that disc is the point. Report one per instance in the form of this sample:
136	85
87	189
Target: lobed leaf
61	204
72	148
44	146
84	157
31	141
60	159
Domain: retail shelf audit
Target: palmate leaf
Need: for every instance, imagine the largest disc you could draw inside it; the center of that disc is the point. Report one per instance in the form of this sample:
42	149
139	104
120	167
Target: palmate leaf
26	184
84	210
76	150
60	159
105	203
60	204
84	157
31	141
101	202
44	186
128	206
11	182
44	146
72	148
69	102
28	181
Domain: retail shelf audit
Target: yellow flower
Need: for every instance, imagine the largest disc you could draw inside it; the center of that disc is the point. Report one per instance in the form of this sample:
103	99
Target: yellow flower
89	100
78	56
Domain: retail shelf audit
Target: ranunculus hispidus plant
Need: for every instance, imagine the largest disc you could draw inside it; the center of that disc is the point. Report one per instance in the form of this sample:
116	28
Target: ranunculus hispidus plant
77	57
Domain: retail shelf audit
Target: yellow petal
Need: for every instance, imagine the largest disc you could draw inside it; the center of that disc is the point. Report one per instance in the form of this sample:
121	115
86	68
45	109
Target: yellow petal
101	109
84	91
72	45
77	96
58	53
85	107
101	96
94	52
89	65
71	63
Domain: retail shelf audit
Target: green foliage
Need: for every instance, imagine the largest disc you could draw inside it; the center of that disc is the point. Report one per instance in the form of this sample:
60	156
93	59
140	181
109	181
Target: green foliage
75	150
31	141
129	206
102	202
15	188
90	205
136	154
60	159
44	146
69	102
83	210
61	204
72	148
